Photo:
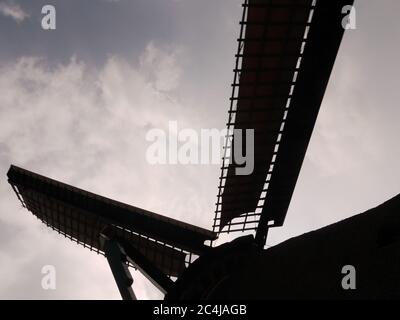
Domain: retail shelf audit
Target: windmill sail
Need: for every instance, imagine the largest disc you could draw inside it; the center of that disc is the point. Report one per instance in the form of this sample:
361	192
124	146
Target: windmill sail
82	216
285	56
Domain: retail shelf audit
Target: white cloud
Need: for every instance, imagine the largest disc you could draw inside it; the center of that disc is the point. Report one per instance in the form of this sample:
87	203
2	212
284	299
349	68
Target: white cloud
13	10
87	127
161	67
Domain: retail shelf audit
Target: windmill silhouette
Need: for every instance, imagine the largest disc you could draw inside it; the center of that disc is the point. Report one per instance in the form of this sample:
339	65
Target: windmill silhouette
286	52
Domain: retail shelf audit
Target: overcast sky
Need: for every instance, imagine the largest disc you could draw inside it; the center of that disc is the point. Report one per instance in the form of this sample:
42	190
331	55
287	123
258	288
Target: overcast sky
77	102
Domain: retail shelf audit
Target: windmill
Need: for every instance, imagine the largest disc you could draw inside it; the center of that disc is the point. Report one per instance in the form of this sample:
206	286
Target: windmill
286	52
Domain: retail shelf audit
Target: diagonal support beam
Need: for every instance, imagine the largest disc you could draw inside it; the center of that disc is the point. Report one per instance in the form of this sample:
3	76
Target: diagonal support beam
148	269
116	258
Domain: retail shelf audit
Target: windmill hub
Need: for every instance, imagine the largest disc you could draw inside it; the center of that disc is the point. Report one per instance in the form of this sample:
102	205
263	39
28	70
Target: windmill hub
210	273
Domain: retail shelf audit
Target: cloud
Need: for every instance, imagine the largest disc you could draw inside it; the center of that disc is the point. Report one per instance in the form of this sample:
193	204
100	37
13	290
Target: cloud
87	126
13	10
161	67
